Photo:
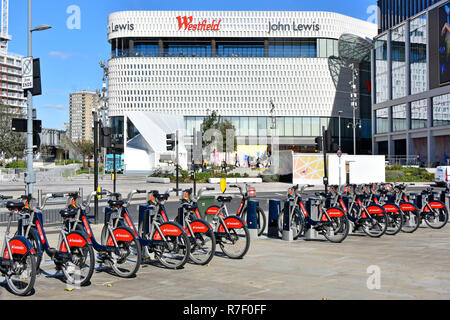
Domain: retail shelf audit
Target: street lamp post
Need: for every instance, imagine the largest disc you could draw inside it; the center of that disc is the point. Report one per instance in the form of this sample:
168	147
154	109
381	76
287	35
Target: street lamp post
340	145
30	177
354	103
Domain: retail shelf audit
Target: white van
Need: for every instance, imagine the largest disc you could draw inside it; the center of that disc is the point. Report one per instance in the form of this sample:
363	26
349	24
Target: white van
442	175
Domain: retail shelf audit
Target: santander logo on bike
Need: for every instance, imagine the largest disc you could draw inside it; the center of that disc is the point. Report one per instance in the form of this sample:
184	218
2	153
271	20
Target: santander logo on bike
186	24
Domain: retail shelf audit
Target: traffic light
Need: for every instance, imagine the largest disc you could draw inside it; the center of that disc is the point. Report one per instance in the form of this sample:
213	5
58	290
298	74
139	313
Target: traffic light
318	144
170	142
330	147
105	137
36	141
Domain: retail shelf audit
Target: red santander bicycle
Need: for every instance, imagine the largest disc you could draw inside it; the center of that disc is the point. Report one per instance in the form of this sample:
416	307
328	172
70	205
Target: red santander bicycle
246	194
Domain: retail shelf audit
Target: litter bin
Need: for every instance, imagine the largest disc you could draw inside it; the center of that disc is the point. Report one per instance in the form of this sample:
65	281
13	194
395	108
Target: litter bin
203	204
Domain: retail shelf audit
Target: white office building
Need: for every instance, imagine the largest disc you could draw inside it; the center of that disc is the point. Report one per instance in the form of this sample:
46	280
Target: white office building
190	63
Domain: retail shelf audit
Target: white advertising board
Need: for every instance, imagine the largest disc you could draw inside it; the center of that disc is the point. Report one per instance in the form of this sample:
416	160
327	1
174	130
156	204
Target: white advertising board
308	169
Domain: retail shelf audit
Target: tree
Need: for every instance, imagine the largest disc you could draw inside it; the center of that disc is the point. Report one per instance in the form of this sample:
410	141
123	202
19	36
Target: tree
224	130
12	144
86	149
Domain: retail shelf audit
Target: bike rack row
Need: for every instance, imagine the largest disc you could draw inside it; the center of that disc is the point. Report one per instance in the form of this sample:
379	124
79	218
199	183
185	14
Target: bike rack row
312	207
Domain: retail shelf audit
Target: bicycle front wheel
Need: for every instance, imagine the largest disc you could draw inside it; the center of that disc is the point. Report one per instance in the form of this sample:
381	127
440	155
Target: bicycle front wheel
126	259
297	223
203	246
338	229
395	223
78	271
235	243
23	274
174	252
437	219
376	226
411	221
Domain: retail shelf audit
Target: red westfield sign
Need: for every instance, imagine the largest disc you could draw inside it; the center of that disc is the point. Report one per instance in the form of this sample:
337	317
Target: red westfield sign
186	23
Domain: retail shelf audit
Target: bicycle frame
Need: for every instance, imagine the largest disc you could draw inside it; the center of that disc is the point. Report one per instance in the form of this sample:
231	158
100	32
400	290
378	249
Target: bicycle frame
66	239
13	245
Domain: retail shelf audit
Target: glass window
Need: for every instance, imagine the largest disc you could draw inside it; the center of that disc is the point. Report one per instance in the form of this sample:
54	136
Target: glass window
382	120
324	123
262	127
419	114
399	117
288	48
280	127
146	49
306	127
381	69
441	110
253	126
398	62
418	54
236	124
243	121
315	126
289	126
298	127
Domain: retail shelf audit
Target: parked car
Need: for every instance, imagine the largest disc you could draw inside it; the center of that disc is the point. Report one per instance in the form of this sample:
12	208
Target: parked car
442	175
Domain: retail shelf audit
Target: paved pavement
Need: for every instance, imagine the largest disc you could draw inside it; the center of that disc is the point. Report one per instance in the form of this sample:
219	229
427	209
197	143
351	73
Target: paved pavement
411	266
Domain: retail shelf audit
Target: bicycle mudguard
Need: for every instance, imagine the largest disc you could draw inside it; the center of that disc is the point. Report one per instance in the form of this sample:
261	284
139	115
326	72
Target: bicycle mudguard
408	207
233	222
121	234
373	209
168	229
75	239
212	210
333	213
391	208
198	226
19	245
434	205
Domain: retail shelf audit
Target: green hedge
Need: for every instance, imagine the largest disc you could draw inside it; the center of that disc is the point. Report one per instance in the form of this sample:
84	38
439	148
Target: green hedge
70	161
16	164
408	174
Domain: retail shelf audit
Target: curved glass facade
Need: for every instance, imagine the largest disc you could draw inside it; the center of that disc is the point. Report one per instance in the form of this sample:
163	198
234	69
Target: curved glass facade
285	126
195	48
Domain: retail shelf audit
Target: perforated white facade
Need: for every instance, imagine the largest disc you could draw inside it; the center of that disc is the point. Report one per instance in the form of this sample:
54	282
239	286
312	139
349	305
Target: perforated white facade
234	86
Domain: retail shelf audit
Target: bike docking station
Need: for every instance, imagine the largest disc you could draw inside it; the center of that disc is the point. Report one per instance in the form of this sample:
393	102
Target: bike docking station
274	212
313	205
252	219
287	231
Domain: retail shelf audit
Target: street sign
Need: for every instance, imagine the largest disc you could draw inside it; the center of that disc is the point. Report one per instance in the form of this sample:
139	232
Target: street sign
27	73
223	185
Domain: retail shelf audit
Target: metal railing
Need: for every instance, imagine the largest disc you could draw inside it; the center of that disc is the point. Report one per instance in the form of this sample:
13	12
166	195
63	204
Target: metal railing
51	213
403	160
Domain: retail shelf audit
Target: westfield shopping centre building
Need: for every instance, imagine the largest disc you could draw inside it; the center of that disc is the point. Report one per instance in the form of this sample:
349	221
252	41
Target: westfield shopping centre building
268	73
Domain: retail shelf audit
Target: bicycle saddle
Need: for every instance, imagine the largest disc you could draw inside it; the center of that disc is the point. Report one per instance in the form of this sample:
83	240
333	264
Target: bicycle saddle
69	212
323	194
11	205
189	206
114	203
224	199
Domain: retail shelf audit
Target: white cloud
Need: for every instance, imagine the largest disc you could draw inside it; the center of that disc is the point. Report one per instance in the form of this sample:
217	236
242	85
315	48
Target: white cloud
56	107
61	55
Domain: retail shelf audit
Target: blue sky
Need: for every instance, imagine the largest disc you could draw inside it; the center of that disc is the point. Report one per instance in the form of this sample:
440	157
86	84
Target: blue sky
70	57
